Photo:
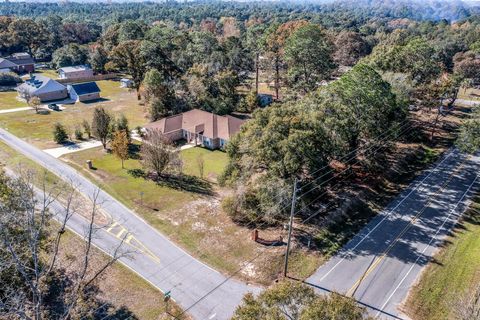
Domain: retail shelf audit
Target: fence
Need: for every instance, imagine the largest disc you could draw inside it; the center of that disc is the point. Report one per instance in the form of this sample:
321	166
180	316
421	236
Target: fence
97	77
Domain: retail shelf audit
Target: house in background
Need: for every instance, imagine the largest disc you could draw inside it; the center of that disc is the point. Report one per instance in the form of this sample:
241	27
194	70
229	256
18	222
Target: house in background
200	127
23	62
6	66
84	92
75	72
44	88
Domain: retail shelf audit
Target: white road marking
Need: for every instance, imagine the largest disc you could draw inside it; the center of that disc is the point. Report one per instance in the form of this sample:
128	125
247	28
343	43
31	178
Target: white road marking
426	247
385	217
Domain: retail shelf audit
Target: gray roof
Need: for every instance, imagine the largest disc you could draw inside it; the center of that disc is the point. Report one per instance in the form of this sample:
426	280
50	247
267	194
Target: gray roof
21	59
74	69
39	84
6	64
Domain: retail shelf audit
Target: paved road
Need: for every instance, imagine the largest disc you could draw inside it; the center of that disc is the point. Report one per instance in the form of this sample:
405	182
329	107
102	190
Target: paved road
156	259
380	264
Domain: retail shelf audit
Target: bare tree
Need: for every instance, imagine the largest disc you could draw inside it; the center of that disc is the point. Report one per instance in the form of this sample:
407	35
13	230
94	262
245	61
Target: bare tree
35	103
29	249
159	154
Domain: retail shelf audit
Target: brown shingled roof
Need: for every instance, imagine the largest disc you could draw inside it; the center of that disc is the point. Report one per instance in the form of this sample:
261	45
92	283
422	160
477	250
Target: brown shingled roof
213	126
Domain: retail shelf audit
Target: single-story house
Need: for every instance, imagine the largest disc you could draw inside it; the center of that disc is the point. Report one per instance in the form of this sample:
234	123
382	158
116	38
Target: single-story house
200	127
44	88
87	91
6	66
126	83
75	72
22	62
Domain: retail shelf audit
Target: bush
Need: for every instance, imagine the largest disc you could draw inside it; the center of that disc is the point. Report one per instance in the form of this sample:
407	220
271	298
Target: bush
60	134
78	133
9	79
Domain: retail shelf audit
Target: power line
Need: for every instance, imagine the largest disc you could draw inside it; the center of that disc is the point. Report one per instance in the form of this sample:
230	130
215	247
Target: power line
241	268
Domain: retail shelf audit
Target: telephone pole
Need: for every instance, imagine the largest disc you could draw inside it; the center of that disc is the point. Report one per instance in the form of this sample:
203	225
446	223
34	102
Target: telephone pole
290	225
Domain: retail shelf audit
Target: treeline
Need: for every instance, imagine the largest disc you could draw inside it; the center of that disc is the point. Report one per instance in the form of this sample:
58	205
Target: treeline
341	14
421	64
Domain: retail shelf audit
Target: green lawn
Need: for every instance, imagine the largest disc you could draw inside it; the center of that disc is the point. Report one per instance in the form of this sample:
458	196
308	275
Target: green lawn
51	73
37	128
456	268
8	100
214	162
110	88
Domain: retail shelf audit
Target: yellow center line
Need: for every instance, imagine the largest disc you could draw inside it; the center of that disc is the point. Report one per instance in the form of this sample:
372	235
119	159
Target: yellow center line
377	260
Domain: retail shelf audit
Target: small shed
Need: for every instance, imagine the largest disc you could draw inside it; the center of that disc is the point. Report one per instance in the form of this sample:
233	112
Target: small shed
126	83
87	91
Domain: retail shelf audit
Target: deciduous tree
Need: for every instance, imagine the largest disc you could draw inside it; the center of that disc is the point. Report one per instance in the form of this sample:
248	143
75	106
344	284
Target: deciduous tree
159	155
102	125
119	145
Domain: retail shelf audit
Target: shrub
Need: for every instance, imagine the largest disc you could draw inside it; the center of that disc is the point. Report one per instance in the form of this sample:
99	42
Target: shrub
60	134
9	79
78	133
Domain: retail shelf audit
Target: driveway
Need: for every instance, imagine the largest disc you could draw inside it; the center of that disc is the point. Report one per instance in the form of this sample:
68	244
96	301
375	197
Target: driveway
72	147
206	293
381	263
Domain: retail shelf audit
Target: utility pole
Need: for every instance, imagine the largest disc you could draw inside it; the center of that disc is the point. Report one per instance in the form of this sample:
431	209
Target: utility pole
290	225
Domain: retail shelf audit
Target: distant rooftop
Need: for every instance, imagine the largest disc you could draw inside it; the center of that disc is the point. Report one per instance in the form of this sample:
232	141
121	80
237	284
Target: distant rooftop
74	68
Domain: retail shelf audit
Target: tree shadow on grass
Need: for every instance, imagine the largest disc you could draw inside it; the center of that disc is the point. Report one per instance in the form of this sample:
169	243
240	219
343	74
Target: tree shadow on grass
177	182
186	183
134	151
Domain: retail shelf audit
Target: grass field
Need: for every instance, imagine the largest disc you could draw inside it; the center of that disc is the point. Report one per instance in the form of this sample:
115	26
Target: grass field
48	73
214	162
8	100
37	128
189	212
454	272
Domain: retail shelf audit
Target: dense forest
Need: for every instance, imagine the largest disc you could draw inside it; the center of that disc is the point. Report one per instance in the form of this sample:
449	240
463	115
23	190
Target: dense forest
215	55
340	14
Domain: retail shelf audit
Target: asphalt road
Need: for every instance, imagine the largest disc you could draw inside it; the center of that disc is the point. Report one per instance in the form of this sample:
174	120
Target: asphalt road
152	255
381	263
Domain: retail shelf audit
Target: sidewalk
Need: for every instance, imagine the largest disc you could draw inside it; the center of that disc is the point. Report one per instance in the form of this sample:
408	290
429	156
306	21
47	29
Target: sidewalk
15	110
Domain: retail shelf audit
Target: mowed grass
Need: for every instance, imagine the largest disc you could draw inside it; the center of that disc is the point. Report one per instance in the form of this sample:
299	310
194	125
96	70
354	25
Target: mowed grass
8	100
214	162
51	73
193	220
37	128
453	274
